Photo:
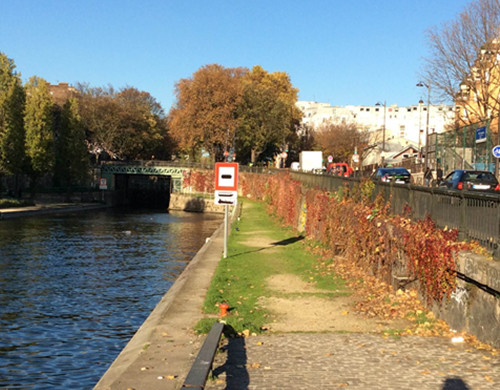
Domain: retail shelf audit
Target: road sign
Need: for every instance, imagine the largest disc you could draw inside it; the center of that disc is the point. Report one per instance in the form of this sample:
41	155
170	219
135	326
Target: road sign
226	183
226	176
103	183
229	198
496	151
481	134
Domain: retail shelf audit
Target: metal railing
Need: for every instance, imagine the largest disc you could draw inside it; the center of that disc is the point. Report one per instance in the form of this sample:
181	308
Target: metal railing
476	216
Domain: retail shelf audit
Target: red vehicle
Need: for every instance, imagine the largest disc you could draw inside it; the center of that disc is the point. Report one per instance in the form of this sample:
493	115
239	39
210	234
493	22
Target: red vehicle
340	169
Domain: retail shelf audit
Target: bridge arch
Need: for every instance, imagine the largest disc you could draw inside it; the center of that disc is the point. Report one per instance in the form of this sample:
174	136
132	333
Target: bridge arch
146	183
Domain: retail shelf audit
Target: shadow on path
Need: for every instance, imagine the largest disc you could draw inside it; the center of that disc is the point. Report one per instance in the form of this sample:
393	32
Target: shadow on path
235	367
454	384
285	242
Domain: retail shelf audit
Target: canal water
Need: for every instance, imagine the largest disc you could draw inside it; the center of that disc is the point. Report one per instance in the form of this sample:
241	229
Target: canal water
75	288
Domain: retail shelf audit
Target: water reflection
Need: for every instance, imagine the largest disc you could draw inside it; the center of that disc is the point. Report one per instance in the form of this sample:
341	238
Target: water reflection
74	289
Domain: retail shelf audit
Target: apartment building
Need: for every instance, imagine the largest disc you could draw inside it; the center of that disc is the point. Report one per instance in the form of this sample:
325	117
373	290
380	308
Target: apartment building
406	122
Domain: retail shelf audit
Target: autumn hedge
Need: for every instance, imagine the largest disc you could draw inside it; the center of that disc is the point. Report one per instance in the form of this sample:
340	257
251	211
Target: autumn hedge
364	231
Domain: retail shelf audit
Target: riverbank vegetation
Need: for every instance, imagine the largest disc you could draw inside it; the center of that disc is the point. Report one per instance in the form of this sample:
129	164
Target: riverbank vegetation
258	249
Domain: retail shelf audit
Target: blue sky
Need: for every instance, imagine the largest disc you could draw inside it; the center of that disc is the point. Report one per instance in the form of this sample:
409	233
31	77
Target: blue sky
356	52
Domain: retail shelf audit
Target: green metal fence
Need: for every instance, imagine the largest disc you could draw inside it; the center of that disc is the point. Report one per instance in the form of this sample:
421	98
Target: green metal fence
467	147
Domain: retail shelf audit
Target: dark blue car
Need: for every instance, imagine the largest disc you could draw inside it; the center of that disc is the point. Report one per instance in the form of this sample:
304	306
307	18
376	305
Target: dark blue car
397	175
471	180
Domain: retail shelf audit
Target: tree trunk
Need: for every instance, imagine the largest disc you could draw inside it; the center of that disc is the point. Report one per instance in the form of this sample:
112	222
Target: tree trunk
254	154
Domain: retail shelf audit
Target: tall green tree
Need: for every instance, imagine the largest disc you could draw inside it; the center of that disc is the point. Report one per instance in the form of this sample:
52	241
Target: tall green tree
12	101
38	120
268	115
72	157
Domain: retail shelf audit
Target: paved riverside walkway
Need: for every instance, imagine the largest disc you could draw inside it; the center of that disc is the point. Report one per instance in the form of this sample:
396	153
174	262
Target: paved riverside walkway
352	361
45	209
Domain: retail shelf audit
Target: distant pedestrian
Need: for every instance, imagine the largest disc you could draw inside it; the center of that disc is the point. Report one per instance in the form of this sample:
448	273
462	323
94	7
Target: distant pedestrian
427	176
439	175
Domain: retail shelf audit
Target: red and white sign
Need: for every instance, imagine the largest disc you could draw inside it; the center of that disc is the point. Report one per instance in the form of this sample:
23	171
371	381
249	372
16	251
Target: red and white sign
226	176
103	183
226	183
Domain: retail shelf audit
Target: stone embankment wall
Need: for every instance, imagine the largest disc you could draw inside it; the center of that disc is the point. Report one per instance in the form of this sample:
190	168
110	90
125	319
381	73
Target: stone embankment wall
194	204
474	306
74	197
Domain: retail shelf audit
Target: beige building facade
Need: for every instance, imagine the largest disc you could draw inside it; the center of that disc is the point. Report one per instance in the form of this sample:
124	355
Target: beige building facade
406	122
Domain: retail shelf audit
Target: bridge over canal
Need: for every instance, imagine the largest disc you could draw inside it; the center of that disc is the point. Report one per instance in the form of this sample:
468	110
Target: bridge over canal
144	183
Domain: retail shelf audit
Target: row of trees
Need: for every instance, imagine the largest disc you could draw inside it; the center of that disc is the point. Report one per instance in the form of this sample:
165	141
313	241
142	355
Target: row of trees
251	113
39	136
35	138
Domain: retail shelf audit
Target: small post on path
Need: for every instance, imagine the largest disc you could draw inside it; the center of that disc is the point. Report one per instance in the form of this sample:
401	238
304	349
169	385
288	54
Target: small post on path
226	212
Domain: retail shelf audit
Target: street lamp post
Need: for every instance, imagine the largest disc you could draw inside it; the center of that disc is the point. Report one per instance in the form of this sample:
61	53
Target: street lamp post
428	86
383	131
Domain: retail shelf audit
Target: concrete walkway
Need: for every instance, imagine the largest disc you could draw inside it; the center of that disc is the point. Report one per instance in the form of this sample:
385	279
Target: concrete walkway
49	208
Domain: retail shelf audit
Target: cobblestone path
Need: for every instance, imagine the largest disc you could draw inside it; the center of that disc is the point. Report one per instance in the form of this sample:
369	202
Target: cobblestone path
353	361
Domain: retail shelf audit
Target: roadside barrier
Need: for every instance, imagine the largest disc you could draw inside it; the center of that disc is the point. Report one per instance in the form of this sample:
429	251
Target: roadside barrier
197	376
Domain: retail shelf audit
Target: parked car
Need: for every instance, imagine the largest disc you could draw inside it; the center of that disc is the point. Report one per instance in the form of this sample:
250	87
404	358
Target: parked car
470	180
339	169
397	175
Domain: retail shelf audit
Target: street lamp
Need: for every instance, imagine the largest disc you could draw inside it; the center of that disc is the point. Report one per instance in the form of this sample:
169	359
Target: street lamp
428	86
383	130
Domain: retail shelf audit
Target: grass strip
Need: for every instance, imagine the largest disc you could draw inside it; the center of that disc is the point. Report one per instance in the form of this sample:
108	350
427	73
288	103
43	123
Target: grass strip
258	247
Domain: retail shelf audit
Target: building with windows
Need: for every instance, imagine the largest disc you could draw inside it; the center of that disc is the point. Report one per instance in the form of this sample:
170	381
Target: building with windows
407	122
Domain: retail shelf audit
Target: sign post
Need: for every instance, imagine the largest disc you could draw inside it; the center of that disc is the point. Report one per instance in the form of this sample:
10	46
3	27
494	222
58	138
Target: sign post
226	191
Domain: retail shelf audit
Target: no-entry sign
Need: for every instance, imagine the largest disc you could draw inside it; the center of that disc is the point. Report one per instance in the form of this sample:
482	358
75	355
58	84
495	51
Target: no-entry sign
226	183
226	176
